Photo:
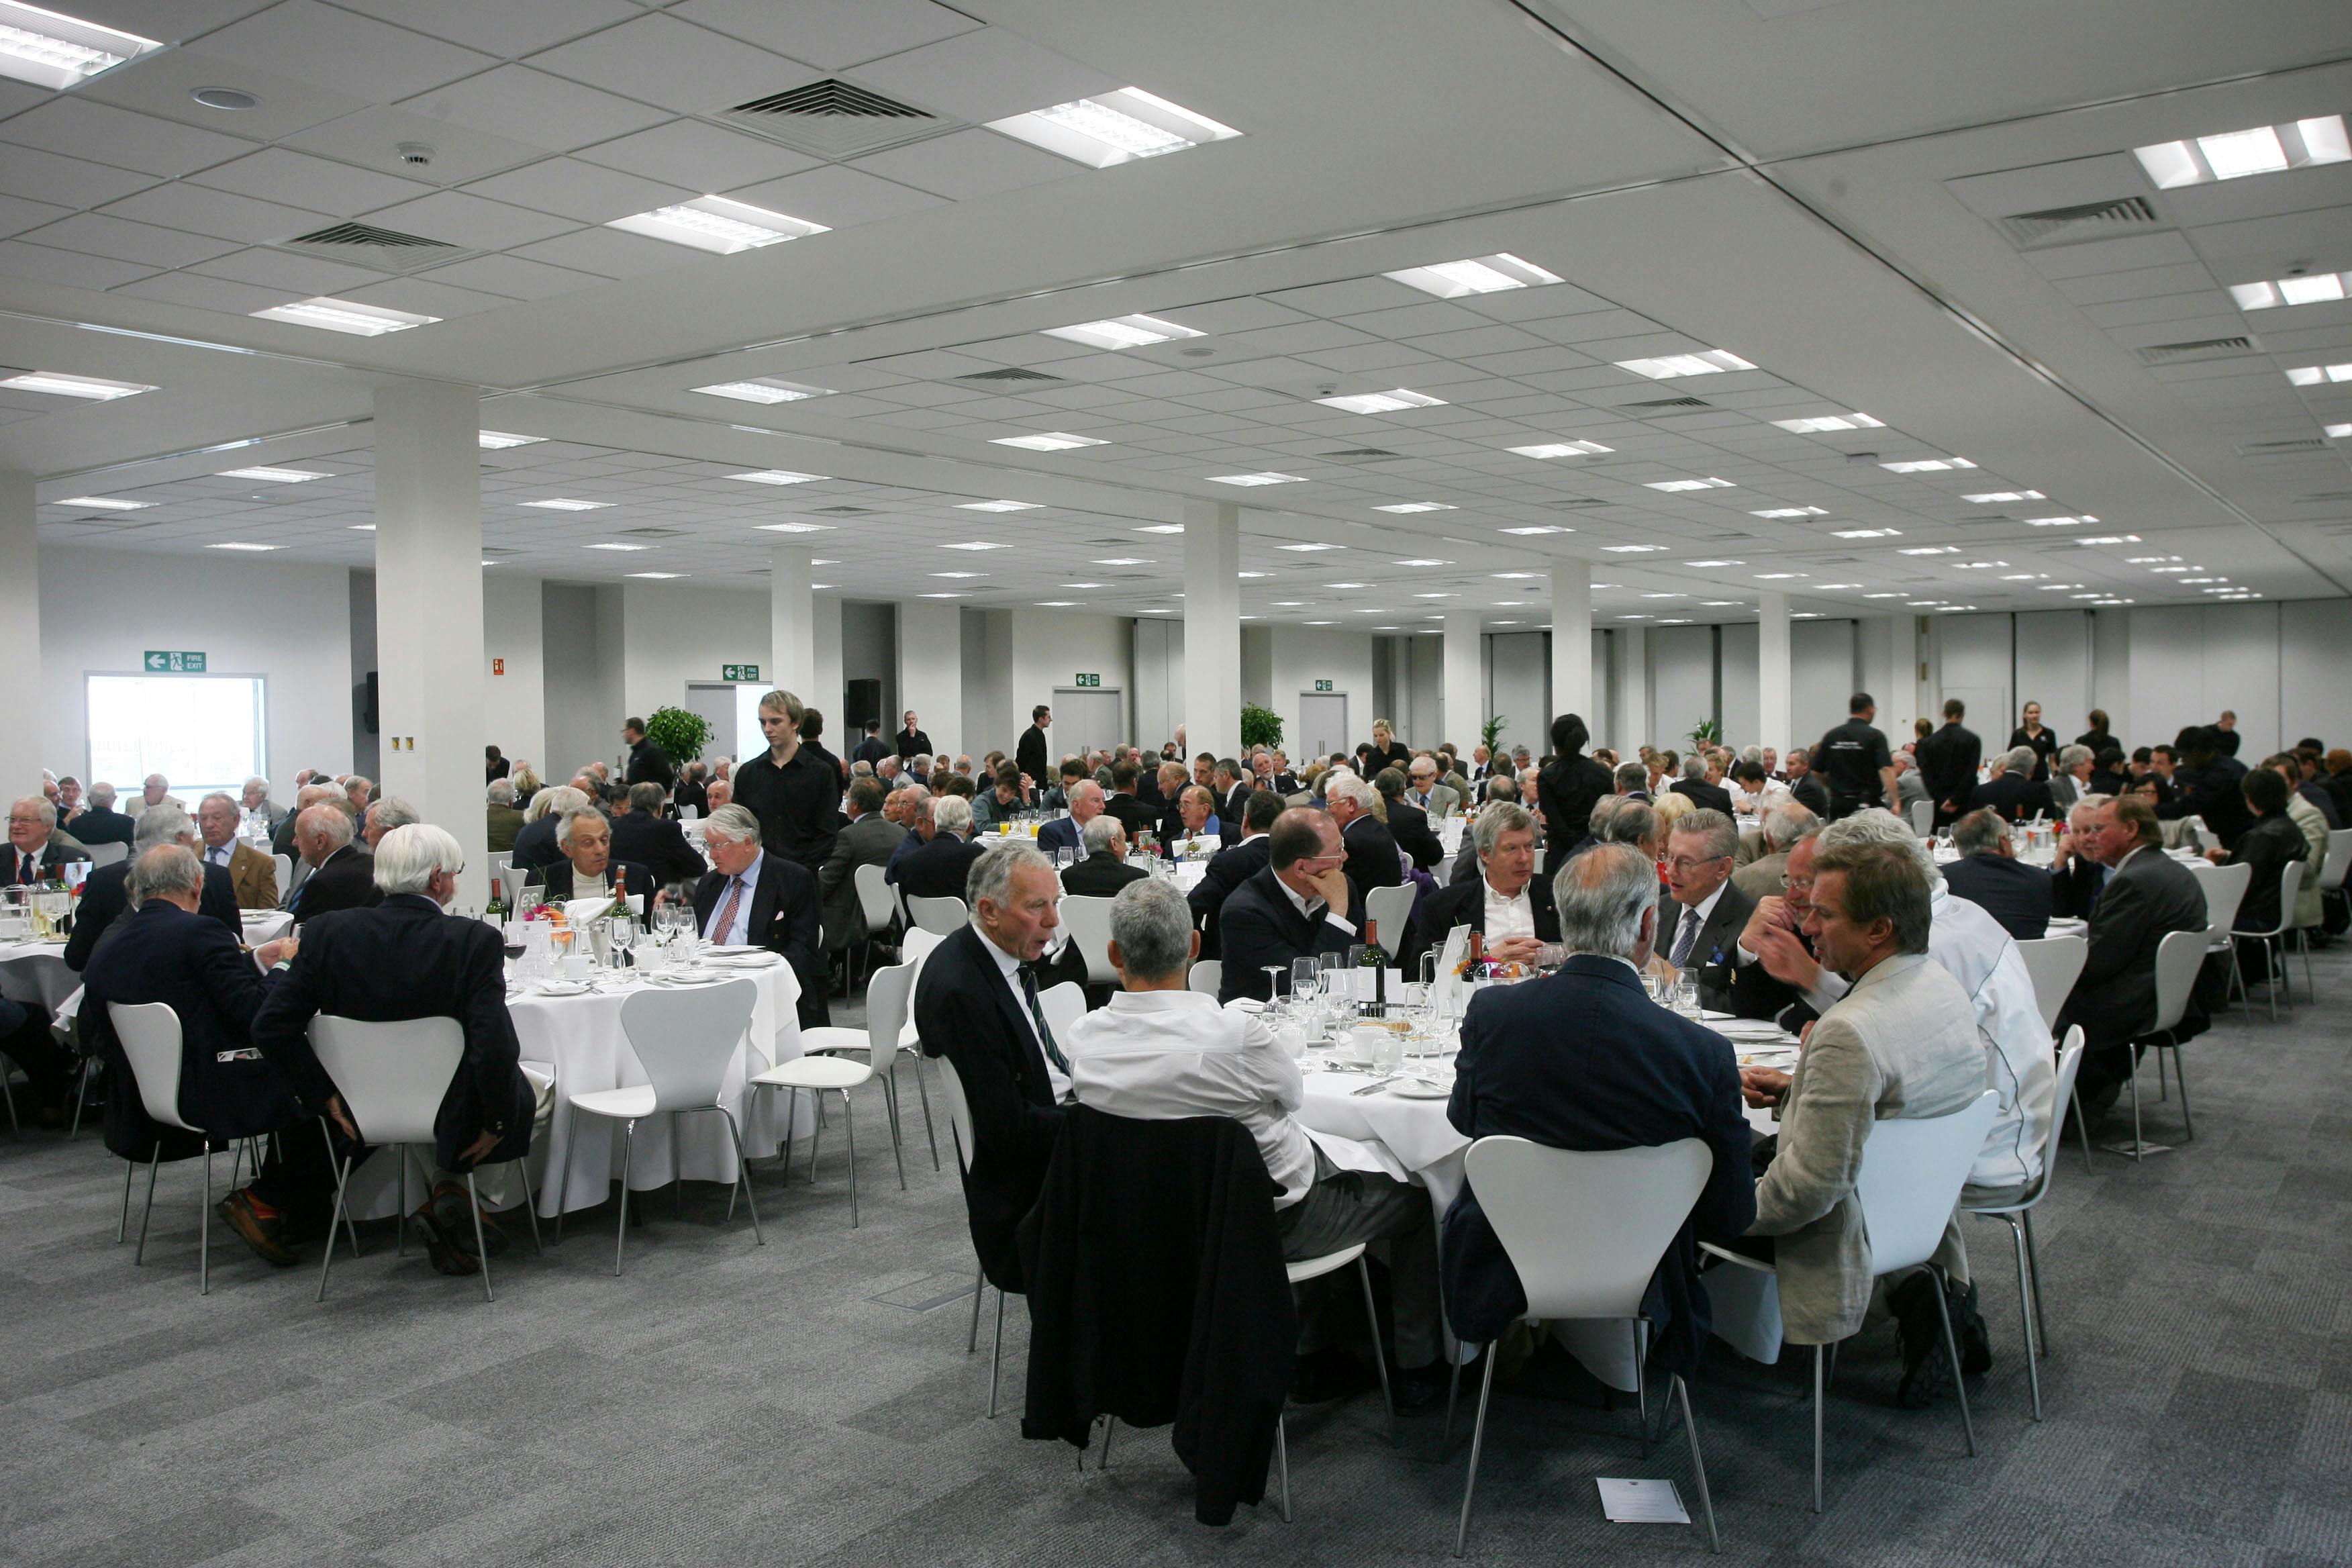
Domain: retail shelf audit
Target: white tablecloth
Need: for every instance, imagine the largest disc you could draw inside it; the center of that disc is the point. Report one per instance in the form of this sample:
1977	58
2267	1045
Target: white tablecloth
265	926
580	1038
34	972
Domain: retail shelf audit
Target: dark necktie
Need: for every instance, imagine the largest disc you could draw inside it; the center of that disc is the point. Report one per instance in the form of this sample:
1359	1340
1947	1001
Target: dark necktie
28	870
1037	1016
1686	939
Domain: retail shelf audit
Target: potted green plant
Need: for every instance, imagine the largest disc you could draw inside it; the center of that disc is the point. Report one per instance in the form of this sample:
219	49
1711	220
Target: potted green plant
1260	726
1491	729
1705	733
680	733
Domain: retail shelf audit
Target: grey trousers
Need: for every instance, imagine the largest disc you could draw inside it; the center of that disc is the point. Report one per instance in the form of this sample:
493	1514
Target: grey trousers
1344	1207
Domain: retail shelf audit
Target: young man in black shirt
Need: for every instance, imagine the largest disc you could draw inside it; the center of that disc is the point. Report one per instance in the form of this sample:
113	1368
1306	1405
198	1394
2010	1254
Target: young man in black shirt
1854	762
794	793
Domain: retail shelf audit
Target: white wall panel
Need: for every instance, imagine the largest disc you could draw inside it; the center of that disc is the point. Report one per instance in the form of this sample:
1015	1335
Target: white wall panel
1742	688
1604	692
1519	690
2053	668
514	704
1821	677
2314	671
1051	648
2168	674
1977	661
1682	683
2242	673
1305	655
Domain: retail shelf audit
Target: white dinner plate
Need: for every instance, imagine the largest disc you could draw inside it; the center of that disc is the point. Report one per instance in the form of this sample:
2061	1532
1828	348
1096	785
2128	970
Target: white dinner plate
1421	1089
684	979
555	988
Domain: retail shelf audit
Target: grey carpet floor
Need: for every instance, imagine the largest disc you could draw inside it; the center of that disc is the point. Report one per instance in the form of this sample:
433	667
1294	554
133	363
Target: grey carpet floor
810	1401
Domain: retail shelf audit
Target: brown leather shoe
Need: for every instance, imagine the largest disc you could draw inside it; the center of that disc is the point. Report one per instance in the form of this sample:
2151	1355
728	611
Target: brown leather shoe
264	1236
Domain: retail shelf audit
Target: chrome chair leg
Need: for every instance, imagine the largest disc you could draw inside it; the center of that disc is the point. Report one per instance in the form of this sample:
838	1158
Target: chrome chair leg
2181	1072
1373	1323
677	1167
621	1226
1477	1444
204	1237
1698	1464
342	1180
1110	1424
529	1204
2034	1268
481	1250
924	1096
122	1225
400	1202
2135	1089
1818	1357
996	1356
563	1178
1952	1349
139	1255
1453	1393
1640	1383
2083	1130
1282	1458
849	1131
743	1180
978	1290
792	1114
816	1132
890	1102
2025	1312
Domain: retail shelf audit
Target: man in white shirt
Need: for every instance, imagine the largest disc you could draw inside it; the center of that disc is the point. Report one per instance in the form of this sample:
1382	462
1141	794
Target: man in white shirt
1161	1052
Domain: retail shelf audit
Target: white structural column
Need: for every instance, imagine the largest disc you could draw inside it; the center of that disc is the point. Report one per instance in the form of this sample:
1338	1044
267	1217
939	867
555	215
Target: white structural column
20	636
1463	688
1212	627
1629	715
931	671
428	611
792	618
1572	642
1898	683
1772	671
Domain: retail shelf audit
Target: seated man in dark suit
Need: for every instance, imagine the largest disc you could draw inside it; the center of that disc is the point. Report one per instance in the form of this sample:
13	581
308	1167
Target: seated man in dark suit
2146	899
340	876
588	870
166	952
1105	870
942	866
401	958
642	836
755	900
1408	824
866	840
1197	828
2009	790
1702	912
38	850
1134	814
534	843
101	824
1506	902
1373	858
1301	904
976	1004
107	894
1584	1060
1702	779
2076	878
1805	786
1230	868
1989	874
1063	832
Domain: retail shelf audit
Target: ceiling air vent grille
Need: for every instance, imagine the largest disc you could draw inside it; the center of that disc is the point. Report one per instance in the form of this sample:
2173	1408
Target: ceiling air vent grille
2281	448
1361	455
831	119
380	249
2088	221
846	510
1665	402
1574	503
651	533
2198	349
1013	373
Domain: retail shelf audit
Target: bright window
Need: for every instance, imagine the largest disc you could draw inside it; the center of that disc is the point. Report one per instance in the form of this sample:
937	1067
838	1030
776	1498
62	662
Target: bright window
201	731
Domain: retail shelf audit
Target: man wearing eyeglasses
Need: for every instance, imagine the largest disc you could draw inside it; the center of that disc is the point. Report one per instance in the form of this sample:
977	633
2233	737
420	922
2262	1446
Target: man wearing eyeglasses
1702	913
38	851
1302	903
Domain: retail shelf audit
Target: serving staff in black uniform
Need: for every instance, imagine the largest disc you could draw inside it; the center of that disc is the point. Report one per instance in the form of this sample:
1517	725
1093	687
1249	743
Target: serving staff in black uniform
1855	761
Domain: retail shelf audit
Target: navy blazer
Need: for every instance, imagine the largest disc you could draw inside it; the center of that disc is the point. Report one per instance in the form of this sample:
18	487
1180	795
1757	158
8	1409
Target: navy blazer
1584	1059
2017	895
1227	870
104	897
938	869
1062	833
787	919
1259	926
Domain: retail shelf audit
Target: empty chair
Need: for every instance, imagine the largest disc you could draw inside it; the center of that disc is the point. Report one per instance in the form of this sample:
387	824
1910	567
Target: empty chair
285	864
684	1040
886	1014
1585	1231
1923	818
2179	957
1063	1006
942	917
960	1130
502	876
107	854
1391	908
2224	887
392	1078
2055	964
150	1034
2339	861
2018	1215
876	905
1088	920
1206	977
1912	1172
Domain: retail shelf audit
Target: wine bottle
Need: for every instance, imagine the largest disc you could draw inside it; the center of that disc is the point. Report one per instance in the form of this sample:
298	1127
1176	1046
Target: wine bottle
620	890
494	912
1475	966
1376	960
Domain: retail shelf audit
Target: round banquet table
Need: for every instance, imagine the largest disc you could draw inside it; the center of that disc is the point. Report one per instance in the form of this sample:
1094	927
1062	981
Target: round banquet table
33	970
580	1039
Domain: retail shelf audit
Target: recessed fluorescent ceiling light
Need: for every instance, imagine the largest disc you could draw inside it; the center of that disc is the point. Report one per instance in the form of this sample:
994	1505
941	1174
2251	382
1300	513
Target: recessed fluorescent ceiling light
1930	549
1048	441
498	440
2058	522
58	384
777	477
59	52
2305	375
2019	576
1123	333
1988	498
956	596
1706	361
1977	565
240	544
1687	484
1882	596
1562	450
273	475
1114	128
1516	574
345	316
1265	479
717	225
1539	528
1057	603
1425	562
1927	466
1714	563
362	528
1119	560
104	503
2338	432
1082	584
1777	577
1394	402
1162	528
2234	154
2310	290
562	503
1825	587
1252	573
658	576
1320	623
959	573
1631	550
763	389
1866	534
998	505
1415	506
1827	422
796	528
1308	548
1953	609
1478	275
1347	584
1792	511
2109	539
976	544
618	546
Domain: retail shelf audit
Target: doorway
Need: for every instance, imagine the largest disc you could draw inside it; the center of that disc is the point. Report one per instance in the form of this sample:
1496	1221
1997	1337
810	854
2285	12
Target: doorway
1322	723
717	705
1085	720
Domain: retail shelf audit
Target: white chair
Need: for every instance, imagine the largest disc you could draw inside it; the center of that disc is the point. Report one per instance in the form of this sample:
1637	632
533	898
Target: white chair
1391	908
684	1040
960	1130
914	947
886	995
1912	1172
2339	860
285	864
107	854
2019	1216
1585	1231
1088	921
1207	976
150	1034
876	902
2274	958
2225	889
2055	964
1922	813
898	999
2178	958
1063	1006
944	917
392	1079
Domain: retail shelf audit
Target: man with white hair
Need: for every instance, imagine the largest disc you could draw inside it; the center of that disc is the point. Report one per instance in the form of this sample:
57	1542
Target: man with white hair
939	869
588	870
1161	1051
2008	788
1702	779
534	842
754	899
1104	870
157	790
1062	833
99	823
405	958
38	850
106	894
1373	858
504	821
305	796
258	815
340	876
384	814
254	874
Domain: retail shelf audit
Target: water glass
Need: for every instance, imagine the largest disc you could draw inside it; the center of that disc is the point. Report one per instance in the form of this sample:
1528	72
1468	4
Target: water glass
1686	996
1306	979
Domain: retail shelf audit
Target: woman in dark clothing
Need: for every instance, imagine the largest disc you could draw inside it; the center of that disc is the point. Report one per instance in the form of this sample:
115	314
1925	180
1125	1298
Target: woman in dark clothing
2096	736
2033	732
1566	790
1388	752
2203	787
2270	846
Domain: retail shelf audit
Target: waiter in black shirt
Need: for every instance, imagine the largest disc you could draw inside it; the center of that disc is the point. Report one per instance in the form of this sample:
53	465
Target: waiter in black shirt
795	793
1853	760
911	742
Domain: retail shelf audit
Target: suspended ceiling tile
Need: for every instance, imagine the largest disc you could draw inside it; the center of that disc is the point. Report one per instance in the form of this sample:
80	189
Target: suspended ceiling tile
506	28
471	221
526	105
586	192
344	52
837	197
703	157
295	179
685	69
219	214
964	164
985	75
44	265
124	241
608	252
205	293
832	35
513	276
372	139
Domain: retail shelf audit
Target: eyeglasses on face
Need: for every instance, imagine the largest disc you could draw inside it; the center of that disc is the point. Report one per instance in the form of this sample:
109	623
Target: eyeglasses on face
1691	863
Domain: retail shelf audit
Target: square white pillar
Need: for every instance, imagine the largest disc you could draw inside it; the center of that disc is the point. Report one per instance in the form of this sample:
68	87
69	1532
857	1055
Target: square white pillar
792	618
428	608
1571	641
1898	692
1629	716
931	671
1212	627
1462	685
1772	671
20	637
